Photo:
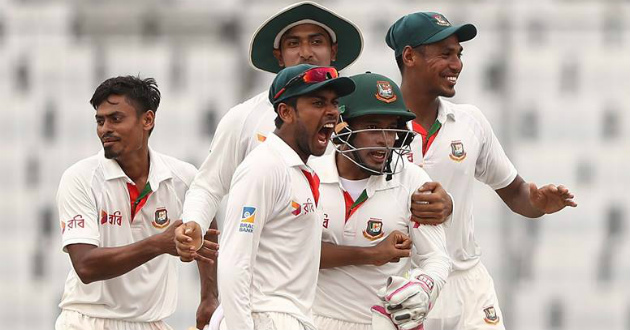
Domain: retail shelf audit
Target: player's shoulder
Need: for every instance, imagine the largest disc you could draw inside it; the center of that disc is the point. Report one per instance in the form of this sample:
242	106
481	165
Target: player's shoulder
467	111
411	175
468	114
83	171
254	105
182	170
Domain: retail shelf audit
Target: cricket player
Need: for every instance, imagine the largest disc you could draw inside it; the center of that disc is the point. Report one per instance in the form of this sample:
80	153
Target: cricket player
270	246
365	197
118	212
457	146
303	33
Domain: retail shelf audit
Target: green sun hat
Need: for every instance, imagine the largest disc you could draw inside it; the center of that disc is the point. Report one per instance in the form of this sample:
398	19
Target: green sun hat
342	32
374	94
424	28
280	91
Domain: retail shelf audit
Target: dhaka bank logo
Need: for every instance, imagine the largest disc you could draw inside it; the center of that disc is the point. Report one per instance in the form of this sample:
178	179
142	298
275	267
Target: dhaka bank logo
247	219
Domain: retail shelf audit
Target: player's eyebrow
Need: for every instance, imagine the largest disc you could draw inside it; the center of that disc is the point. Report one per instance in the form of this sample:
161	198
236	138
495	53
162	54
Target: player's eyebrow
115	113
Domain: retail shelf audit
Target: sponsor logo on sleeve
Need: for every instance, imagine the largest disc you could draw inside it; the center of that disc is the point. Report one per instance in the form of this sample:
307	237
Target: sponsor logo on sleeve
76	222
248	216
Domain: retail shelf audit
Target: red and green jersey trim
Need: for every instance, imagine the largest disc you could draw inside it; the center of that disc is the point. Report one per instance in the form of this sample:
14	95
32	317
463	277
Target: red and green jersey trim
427	137
138	199
351	205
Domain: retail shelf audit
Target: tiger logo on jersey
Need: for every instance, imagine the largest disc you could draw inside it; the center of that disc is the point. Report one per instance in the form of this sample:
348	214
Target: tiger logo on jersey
491	315
457	151
161	218
248	216
374	229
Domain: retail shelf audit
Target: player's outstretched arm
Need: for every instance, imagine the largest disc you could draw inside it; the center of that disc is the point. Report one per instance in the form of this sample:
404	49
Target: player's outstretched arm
93	263
395	246
431	204
530	201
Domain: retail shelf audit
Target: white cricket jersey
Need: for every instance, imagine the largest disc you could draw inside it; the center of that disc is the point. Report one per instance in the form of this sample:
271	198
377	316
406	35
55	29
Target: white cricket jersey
95	208
347	293
243	128
271	239
465	148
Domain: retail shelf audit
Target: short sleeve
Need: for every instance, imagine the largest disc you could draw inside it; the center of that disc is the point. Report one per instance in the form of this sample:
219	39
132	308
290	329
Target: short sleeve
493	166
77	211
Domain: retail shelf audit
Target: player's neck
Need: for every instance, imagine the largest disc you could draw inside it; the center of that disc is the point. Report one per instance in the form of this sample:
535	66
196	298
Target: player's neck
136	166
289	137
423	104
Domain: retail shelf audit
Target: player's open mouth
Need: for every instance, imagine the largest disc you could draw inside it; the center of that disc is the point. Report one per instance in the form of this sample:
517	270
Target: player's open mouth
452	80
378	156
324	133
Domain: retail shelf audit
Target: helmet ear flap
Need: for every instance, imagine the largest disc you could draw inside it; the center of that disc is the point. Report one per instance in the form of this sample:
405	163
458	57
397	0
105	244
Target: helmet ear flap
403	137
342	133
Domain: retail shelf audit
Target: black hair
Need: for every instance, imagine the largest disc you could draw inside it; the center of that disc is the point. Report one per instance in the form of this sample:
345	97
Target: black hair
142	94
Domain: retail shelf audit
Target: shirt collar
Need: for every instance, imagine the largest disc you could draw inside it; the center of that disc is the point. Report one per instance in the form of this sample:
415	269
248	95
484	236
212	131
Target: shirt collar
287	154
158	171
326	167
444	111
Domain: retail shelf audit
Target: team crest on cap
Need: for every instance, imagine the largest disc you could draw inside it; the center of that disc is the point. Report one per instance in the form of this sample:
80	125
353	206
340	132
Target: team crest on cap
441	20
491	315
385	92
161	218
374	229
457	151
248	216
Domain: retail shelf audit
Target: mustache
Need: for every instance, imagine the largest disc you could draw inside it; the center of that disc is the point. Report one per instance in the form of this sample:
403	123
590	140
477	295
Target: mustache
109	137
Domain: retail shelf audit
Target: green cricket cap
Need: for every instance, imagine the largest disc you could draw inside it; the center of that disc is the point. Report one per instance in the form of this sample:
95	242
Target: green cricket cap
424	28
342	85
341	30
374	94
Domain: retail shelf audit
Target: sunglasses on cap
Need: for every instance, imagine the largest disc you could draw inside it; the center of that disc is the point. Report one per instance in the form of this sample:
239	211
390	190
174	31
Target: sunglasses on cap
310	76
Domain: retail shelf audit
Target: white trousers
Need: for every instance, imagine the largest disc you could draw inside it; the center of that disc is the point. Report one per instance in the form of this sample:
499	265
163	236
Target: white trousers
71	320
262	321
468	301
327	323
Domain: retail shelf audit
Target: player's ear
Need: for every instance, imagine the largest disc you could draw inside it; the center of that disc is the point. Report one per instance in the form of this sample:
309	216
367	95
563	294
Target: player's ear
333	52
148	120
286	113
408	56
278	55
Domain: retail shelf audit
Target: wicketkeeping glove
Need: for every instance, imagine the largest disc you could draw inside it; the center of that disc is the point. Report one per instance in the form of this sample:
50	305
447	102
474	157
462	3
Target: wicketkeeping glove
409	300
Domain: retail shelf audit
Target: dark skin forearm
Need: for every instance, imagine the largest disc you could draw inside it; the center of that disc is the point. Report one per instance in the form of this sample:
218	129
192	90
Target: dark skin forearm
208	272
93	263
516	197
395	246
338	256
102	263
531	201
208	277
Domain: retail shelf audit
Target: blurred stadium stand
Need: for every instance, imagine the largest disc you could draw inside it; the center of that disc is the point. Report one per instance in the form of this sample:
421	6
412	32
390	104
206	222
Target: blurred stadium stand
550	75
